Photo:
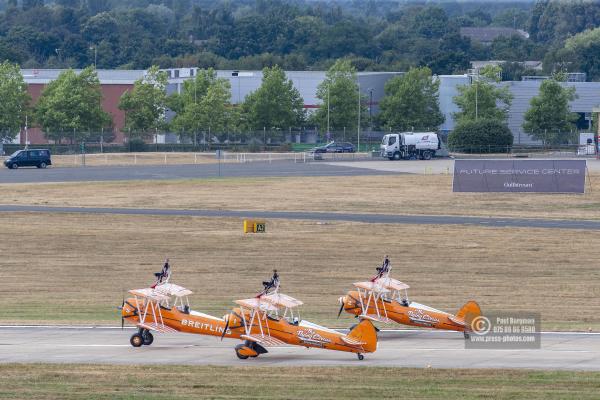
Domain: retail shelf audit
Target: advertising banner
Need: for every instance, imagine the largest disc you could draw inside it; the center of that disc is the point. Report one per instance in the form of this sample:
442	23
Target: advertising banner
533	176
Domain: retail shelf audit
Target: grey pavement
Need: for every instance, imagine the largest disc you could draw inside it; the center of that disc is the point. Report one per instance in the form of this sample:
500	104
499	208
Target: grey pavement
403	348
325	216
184	171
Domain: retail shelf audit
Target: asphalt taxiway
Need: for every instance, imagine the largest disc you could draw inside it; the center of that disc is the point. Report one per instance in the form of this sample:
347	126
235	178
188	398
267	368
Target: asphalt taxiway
322	216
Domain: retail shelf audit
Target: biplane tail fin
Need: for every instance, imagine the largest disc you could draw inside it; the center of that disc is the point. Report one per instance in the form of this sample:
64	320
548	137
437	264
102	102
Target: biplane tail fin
468	312
366	333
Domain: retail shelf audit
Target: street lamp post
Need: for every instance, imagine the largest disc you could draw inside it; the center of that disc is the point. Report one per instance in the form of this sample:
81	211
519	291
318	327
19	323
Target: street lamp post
371	110
26	133
358	127
237	74
327	134
476	96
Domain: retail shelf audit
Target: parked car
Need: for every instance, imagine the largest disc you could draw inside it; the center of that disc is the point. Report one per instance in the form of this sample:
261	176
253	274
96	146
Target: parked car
334	147
29	158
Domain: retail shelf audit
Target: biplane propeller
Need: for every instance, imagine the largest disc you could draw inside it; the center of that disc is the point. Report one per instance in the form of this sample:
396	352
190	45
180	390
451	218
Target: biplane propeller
384	299
271	319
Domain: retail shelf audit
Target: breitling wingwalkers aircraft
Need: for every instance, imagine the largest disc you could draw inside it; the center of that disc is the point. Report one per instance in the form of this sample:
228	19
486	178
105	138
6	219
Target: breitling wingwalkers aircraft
384	299
269	319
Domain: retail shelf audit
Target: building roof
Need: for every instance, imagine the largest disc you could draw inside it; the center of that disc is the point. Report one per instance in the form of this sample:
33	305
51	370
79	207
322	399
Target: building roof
106	76
488	34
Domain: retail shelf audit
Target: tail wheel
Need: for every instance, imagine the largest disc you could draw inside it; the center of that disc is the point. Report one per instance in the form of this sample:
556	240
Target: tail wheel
136	340
360	356
148	337
467	336
237	352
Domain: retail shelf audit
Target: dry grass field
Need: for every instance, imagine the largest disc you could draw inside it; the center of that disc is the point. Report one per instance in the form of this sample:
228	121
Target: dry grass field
399	194
74	268
43	381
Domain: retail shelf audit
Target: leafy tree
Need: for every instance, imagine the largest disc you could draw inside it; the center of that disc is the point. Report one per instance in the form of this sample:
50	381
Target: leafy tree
13	101
514	48
204	104
483	135
276	104
582	53
549	117
411	101
70	106
145	105
483	98
339	93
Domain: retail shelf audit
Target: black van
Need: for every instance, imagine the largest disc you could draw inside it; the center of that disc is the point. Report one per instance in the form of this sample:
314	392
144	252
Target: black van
29	158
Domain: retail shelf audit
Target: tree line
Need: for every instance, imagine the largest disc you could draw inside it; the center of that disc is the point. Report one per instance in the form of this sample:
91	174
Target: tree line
69	108
375	35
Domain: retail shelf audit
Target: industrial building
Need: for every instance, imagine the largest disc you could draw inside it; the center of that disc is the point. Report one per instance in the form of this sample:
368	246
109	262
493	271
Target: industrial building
116	82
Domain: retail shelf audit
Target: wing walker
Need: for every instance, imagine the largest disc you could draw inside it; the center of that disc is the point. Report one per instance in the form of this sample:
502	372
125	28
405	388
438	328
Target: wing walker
270	319
385	299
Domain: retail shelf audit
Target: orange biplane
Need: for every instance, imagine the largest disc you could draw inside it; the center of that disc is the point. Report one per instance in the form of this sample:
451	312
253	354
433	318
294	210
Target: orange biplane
384	299
267	320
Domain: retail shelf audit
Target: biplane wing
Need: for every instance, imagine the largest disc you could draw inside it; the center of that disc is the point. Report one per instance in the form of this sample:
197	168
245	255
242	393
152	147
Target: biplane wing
150	294
375	287
258	304
392	284
264	340
376	318
158	327
282	300
171	289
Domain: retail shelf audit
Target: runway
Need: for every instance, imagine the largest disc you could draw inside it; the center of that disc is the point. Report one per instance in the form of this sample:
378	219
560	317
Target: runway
324	216
402	348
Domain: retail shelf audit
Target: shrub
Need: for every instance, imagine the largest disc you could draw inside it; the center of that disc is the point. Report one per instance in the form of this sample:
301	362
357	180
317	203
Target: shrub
481	136
137	145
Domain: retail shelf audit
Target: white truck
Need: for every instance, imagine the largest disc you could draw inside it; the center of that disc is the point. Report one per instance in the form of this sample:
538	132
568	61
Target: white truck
407	145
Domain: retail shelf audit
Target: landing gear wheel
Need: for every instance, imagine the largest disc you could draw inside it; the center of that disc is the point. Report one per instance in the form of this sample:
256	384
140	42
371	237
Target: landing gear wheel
136	340
237	352
467	336
148	337
360	356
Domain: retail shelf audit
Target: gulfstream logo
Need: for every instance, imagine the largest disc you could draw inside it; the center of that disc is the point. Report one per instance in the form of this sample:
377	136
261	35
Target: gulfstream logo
518	185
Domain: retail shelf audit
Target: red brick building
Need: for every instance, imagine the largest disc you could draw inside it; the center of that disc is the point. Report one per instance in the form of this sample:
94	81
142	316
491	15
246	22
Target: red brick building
113	84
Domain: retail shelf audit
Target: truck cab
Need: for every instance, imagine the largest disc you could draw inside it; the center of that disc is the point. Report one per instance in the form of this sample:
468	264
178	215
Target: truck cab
409	145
